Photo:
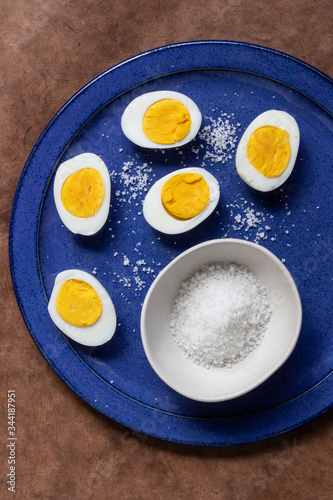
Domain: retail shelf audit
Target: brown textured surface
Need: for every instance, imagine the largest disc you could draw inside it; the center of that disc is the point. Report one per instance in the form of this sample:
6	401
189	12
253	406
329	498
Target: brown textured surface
65	450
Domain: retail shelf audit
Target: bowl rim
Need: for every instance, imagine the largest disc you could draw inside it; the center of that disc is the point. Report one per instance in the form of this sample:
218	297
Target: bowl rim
263	377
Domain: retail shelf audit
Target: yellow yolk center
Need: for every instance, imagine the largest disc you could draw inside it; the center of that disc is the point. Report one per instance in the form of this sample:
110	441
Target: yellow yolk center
268	150
166	121
82	193
185	195
78	303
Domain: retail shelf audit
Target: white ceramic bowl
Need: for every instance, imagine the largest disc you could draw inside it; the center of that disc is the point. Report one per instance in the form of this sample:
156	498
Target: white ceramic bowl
220	384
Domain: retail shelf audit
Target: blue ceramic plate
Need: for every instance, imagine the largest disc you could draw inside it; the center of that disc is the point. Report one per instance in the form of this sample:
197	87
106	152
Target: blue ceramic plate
232	83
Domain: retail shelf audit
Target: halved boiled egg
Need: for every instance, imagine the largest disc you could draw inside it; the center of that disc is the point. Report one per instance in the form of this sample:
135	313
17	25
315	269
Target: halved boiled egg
181	200
81	308
161	119
82	193
267	151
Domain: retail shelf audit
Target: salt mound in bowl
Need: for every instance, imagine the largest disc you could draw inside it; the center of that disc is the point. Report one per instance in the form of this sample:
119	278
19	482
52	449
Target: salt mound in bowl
206	382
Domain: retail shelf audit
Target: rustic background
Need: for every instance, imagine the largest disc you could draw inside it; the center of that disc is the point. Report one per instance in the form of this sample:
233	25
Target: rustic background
65	450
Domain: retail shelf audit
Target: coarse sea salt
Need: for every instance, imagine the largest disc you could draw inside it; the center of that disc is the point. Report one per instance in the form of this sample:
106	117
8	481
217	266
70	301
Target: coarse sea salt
220	138
220	314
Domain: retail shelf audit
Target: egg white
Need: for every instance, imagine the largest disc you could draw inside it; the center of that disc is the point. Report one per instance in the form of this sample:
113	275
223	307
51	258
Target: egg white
132	118
246	171
86	226
93	335
156	215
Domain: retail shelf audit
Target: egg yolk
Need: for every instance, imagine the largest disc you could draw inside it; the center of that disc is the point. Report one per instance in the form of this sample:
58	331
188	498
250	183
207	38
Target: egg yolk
185	195
82	193
268	150
78	303
166	121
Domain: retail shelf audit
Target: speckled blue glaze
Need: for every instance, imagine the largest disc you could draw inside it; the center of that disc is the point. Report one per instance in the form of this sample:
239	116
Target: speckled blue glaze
233	78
